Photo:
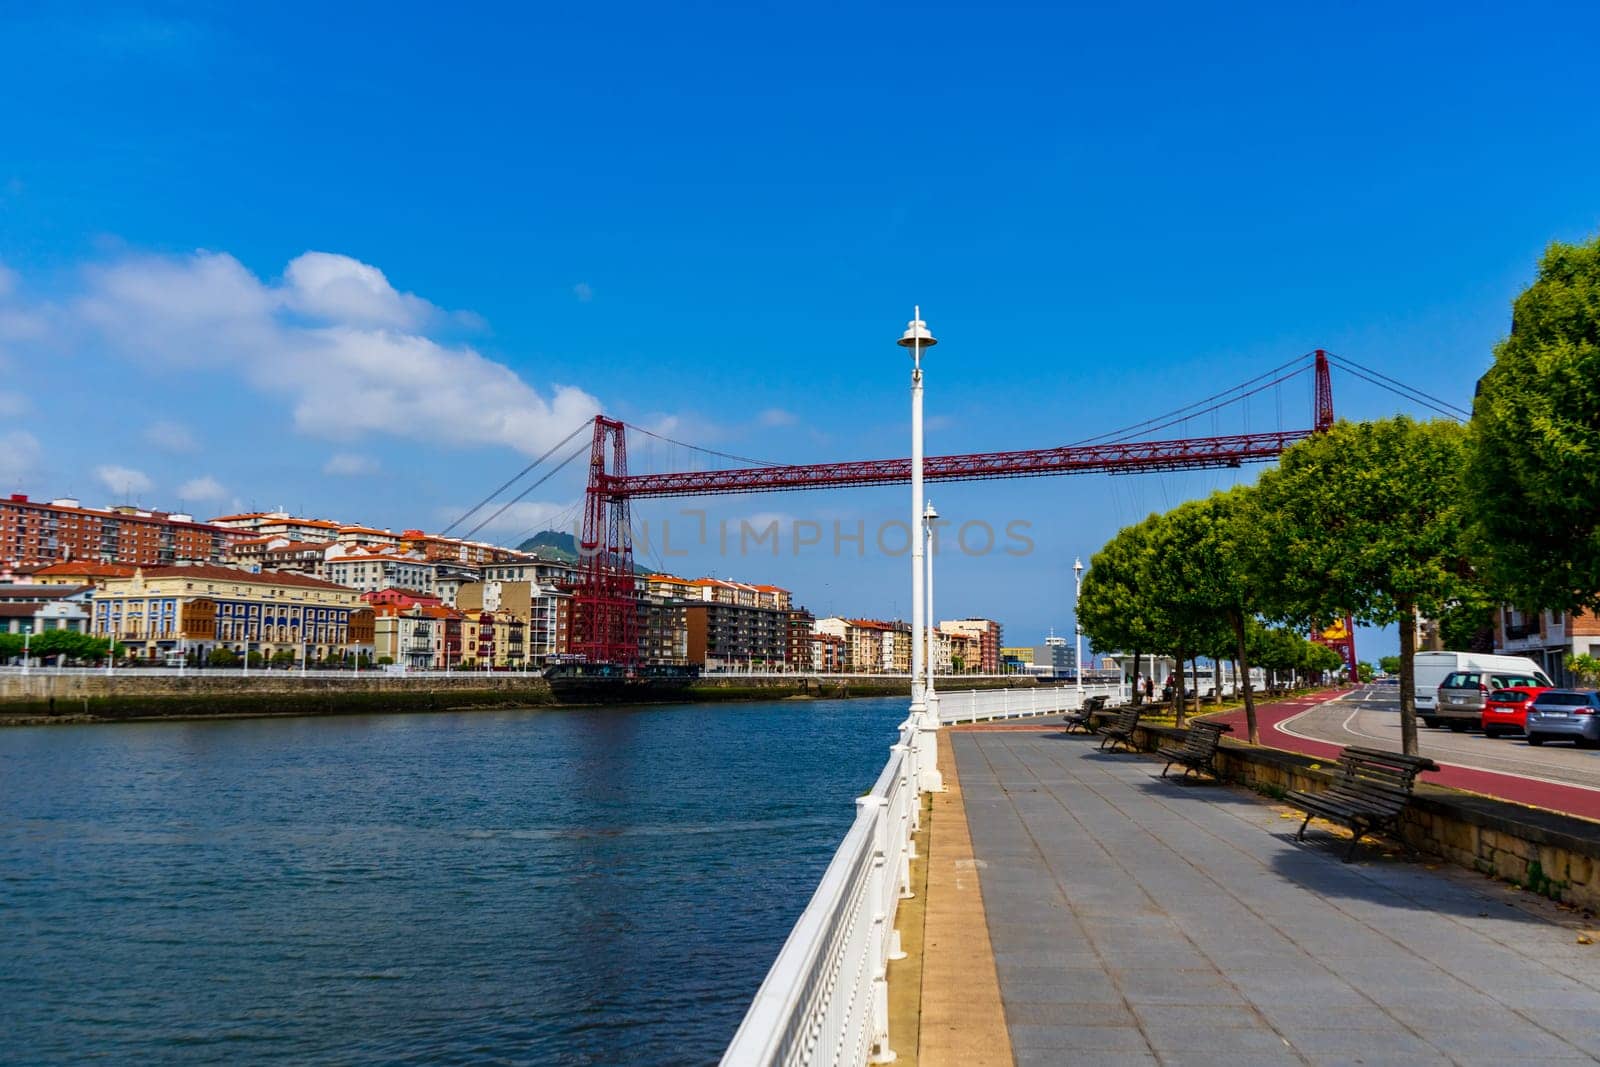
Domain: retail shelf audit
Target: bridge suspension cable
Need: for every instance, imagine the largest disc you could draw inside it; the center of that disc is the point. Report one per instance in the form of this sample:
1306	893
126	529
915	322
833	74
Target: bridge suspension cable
1401	389
509	482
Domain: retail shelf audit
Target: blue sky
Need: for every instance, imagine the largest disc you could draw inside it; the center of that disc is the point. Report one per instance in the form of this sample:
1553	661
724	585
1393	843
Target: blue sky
366	262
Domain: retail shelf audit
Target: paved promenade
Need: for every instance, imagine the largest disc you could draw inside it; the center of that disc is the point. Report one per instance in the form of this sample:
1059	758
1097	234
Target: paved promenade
1136	920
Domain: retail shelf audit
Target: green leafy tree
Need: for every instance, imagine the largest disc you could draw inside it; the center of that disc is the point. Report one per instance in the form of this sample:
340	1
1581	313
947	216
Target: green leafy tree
221	657
1389	664
1585	668
1214	541
1365	671
10	646
1368	521
284	657
1116	608
1535	460
1192	576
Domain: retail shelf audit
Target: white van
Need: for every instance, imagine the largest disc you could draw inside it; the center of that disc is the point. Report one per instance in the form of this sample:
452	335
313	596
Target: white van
1432	668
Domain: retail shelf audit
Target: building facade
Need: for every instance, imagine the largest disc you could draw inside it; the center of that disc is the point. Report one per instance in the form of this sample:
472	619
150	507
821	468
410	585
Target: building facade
1549	638
165	611
721	636
987	634
34	531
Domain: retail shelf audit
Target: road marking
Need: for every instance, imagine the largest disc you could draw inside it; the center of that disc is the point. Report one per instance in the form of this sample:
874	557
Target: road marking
1284	728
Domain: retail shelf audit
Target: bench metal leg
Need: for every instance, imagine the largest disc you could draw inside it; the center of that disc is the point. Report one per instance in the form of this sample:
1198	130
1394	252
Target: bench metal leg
1167	768
1355	839
1301	836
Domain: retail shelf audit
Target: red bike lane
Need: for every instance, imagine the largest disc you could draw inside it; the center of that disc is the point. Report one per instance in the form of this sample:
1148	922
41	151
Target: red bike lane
1533	792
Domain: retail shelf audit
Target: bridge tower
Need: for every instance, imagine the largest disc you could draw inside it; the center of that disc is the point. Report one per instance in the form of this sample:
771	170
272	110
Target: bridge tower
605	624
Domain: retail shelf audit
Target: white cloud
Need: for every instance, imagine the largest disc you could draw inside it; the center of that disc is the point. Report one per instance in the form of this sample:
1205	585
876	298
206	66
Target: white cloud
363	369
19	457
12	404
123	482
340	289
778	417
171	437
583	291
204	488
349	465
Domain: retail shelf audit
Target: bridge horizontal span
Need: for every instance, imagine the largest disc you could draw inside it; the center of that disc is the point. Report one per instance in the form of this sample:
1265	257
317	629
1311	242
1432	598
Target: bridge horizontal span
1128	457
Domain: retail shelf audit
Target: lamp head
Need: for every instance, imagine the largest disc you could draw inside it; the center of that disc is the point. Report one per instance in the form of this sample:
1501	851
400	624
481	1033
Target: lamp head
1077	566
917	336
928	512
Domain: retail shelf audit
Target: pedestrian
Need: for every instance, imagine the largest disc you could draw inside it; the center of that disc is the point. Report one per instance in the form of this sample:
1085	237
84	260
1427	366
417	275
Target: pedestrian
1150	688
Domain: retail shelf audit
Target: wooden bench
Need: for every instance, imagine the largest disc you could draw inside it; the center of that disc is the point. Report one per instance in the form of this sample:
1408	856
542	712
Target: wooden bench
1198	748
1371	792
1080	719
1118	730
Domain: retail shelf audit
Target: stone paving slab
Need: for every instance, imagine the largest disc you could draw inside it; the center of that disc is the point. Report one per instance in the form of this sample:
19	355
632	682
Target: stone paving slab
1141	920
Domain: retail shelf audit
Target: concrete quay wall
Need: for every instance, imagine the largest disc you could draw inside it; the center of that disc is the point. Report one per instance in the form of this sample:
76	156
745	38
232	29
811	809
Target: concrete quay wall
94	696
89	696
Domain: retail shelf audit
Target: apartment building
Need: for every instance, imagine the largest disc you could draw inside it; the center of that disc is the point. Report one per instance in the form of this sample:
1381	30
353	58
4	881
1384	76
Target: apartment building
723	635
162	611
1549	638
799	654
987	634
33	531
368	569
254	524
828	654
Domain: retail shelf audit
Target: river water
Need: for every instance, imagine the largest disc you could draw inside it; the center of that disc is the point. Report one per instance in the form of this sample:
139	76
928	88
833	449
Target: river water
564	887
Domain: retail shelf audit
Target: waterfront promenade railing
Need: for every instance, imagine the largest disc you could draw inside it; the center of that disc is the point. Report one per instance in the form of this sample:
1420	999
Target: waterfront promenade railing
826	998
976	704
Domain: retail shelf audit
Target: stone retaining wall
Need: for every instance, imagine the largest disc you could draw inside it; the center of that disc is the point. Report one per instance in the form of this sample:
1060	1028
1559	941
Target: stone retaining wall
1547	852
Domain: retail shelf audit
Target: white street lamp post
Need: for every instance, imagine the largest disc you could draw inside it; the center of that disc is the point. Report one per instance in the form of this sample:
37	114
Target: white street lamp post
1077	625
917	338
27	638
929	516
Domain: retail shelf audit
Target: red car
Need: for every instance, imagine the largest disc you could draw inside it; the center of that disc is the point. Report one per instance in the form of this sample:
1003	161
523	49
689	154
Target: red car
1506	710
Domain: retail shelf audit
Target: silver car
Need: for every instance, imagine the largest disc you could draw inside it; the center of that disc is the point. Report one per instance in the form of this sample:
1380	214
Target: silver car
1565	715
1463	694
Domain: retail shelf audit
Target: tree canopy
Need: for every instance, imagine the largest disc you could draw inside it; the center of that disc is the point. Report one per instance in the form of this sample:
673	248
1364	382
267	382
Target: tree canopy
1535	461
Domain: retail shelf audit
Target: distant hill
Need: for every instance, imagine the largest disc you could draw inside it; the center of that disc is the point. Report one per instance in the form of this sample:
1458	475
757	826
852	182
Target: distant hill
552	544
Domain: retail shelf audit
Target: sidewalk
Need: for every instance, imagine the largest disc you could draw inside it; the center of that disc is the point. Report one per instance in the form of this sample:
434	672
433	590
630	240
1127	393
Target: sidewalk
1136	920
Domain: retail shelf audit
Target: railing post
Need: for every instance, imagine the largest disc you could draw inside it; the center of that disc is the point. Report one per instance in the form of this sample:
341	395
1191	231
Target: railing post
878	935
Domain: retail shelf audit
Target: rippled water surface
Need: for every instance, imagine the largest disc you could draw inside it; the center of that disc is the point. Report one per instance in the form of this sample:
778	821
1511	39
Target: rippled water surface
572	887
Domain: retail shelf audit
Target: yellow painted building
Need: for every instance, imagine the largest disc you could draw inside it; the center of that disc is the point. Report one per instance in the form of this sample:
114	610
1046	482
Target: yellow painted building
163	611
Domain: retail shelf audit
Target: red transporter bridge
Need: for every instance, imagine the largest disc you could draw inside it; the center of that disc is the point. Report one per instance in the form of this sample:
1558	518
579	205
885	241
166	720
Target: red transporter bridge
606	625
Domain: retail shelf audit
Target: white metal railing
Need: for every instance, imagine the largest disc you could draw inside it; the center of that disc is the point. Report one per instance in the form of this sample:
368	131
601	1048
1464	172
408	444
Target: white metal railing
826	998
974	704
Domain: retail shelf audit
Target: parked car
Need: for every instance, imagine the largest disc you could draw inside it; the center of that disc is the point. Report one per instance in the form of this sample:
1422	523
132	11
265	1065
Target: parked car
1464	694
1433	667
1565	715
1506	710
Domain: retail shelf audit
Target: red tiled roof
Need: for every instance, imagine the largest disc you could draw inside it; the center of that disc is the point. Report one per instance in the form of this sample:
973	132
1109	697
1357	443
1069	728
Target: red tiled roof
104	570
211	572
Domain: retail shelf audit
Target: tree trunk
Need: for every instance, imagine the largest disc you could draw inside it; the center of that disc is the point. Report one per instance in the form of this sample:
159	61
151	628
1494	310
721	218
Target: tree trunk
1243	661
1180	699
1408	678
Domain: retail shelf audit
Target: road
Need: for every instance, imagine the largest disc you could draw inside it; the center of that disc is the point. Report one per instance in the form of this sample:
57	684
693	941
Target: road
1557	777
